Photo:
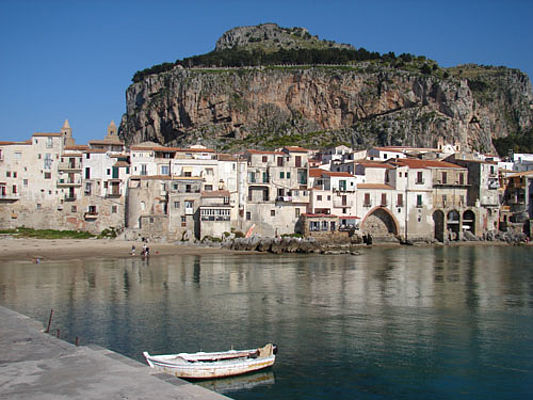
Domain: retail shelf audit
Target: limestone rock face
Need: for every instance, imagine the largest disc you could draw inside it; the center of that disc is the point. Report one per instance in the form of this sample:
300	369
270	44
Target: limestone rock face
272	37
365	106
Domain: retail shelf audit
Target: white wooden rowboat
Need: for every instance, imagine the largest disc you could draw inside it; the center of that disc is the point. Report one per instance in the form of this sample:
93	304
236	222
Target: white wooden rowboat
214	365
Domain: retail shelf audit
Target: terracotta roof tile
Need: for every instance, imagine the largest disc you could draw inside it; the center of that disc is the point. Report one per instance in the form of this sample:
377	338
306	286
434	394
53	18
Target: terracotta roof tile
216	193
416	163
374	186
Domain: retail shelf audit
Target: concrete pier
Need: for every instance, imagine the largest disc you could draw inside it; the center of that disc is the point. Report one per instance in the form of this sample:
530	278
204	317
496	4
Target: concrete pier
35	365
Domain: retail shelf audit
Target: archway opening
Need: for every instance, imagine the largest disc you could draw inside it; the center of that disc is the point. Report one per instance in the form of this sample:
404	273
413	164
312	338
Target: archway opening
380	223
438	223
469	221
452	225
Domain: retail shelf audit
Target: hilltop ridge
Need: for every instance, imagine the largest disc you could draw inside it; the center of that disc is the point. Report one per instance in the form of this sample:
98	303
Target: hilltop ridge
265	86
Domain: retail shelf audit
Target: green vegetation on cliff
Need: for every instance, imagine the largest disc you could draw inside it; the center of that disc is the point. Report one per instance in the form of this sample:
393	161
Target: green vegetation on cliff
257	57
516	143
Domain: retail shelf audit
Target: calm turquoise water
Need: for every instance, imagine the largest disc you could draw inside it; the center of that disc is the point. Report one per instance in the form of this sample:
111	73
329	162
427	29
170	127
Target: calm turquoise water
402	323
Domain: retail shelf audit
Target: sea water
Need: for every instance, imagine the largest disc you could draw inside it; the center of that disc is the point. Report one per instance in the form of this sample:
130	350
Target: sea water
389	323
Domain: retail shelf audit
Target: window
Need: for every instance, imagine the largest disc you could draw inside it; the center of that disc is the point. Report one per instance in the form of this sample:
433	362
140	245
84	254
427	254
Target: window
272	213
49	143
282	175
47	175
329	197
87	173
444	200
319	197
14	189
383	199
8	174
288	175
367	200
248	215
419	178
38	206
399	200
280	161
461	179
73	209
189	203
208	188
14	174
164	169
296	212
143	170
87	156
444	177
298	161
176	204
419	200
47	161
113	209
187	174
183	220
25	182
264	159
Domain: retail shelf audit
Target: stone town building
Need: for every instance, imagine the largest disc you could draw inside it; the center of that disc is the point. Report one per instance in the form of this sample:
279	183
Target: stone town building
31	193
163	207
215	214
483	191
444	213
53	177
278	191
181	189
517	199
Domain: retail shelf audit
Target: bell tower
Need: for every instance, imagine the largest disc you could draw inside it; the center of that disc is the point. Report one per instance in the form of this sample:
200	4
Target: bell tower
66	131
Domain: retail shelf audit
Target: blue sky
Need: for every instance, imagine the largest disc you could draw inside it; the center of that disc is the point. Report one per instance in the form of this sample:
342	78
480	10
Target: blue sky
75	59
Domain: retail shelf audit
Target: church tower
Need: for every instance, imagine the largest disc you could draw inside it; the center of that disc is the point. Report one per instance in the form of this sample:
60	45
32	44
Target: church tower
112	131
66	131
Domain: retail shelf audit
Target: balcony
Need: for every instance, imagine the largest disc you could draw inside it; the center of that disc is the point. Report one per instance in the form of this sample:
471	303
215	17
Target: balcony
9	197
69	166
338	203
367	205
90	215
420	181
69	182
70	197
284	199
113	194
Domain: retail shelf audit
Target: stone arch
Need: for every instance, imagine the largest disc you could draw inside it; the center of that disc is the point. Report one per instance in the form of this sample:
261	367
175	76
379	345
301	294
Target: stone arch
438	224
453	224
379	222
469	221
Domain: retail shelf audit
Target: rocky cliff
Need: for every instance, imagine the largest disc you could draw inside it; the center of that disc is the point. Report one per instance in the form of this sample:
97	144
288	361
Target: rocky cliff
384	102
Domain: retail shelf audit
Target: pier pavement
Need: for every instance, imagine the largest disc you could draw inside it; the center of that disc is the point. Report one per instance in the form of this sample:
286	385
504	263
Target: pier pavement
36	365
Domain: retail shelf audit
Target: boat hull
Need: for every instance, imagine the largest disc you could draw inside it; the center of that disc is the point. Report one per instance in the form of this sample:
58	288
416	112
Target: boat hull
213	371
212	365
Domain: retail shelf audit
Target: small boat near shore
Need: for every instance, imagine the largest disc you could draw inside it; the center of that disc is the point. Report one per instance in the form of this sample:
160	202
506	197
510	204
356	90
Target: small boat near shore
214	365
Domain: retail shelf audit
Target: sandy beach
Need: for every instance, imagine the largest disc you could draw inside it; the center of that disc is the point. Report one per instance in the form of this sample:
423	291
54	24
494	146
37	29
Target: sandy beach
63	249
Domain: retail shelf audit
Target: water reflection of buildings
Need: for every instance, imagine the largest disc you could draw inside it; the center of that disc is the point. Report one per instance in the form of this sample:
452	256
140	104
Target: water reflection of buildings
214	301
